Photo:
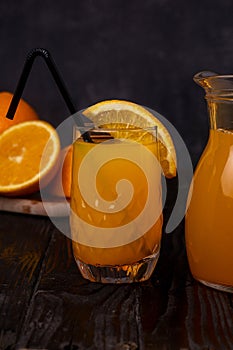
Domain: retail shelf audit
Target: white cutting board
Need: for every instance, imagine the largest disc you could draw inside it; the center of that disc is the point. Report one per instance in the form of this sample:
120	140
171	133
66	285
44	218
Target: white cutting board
34	206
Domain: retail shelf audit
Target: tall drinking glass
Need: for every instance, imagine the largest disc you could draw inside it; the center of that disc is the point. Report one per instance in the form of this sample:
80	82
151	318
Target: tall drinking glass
116	203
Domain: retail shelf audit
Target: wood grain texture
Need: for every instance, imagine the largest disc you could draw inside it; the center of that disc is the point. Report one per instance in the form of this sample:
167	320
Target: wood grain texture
46	304
167	312
23	243
209	318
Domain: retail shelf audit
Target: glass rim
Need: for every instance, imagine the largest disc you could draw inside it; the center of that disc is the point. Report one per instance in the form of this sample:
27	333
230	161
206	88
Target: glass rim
216	85
97	128
96	131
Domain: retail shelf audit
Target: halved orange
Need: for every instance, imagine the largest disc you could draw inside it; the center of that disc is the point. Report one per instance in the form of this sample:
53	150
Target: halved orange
118	111
29	154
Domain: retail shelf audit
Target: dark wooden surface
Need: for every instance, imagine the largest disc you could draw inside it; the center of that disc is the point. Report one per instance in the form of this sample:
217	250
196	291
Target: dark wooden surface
46	304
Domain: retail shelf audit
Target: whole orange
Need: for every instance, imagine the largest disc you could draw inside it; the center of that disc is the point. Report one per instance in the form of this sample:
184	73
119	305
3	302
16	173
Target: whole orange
23	113
61	183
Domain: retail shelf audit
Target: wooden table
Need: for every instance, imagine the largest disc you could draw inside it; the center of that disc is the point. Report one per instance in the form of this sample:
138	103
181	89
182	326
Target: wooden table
46	304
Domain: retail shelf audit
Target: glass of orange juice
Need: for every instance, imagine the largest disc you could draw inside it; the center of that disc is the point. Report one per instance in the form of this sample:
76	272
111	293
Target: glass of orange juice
116	203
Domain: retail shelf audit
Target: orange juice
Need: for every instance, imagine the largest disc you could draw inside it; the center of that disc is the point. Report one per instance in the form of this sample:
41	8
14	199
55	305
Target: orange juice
209	219
107	178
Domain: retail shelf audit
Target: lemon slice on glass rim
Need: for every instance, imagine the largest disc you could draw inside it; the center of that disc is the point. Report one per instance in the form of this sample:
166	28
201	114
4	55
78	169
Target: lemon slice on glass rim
112	112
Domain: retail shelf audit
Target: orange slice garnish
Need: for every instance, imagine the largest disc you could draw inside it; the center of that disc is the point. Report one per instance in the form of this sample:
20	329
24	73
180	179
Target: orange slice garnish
115	112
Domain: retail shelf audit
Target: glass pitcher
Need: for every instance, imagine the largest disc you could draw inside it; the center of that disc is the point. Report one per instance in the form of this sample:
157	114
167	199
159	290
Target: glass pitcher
209	217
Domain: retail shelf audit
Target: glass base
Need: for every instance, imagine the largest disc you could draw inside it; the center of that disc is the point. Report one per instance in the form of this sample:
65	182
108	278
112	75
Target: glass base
137	272
221	287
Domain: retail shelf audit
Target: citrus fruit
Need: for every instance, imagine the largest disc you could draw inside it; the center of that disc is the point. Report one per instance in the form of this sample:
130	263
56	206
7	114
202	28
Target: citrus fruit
29	154
24	111
61	183
119	112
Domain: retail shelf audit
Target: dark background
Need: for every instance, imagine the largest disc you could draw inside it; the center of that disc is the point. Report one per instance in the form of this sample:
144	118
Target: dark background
145	51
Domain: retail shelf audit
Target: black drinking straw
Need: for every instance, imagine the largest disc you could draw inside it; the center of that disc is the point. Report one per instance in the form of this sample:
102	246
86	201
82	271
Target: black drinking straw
57	77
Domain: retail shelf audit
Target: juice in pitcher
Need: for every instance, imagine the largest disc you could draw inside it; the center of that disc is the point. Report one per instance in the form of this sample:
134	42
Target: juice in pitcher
209	217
